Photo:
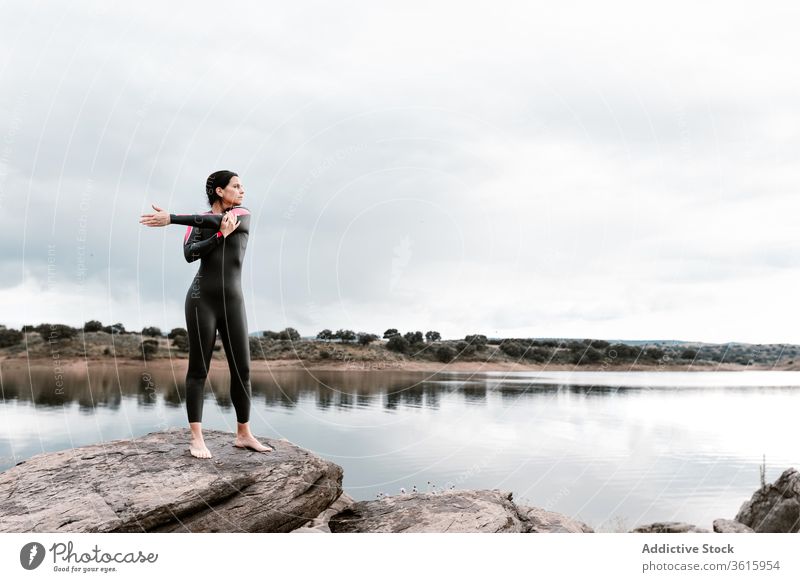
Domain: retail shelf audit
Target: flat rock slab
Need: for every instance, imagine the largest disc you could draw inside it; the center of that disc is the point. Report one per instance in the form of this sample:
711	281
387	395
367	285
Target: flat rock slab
153	484
489	511
669	527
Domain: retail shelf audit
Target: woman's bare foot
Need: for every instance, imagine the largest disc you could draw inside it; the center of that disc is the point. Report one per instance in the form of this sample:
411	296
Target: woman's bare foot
199	449
250	442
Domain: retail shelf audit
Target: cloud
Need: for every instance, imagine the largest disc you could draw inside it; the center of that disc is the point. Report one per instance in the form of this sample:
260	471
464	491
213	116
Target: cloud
571	169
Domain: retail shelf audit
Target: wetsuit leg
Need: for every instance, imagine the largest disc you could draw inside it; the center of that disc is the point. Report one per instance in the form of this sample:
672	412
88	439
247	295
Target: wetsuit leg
201	326
233	331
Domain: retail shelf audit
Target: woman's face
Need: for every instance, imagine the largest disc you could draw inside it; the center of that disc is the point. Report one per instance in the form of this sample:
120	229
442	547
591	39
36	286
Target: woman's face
233	193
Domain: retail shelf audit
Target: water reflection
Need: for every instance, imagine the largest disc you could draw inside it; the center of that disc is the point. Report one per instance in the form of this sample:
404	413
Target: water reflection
603	448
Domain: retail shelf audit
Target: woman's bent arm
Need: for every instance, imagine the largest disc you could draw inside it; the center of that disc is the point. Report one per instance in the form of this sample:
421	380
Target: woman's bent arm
194	248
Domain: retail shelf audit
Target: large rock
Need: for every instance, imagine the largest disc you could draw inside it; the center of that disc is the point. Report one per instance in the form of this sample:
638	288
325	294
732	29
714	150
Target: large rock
152	483
669	527
775	507
730	526
543	521
488	511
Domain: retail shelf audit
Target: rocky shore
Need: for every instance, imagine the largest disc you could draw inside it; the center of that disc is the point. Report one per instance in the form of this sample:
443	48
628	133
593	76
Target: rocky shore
152	484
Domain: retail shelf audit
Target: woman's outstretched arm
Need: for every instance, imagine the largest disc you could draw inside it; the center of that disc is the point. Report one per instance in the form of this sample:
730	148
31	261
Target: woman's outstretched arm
162	218
208	220
201	220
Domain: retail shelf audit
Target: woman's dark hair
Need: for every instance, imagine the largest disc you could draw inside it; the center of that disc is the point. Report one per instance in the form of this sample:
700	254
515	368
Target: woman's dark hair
219	179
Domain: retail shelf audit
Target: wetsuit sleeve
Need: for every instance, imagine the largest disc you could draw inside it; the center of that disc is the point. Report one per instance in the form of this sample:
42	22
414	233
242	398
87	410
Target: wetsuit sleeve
243	216
194	248
201	220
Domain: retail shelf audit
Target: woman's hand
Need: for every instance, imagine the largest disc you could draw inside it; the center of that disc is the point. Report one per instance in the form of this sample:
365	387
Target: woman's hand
160	218
229	224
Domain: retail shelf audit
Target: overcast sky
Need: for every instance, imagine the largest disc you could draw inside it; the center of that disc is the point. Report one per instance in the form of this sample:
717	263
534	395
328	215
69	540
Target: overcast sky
605	170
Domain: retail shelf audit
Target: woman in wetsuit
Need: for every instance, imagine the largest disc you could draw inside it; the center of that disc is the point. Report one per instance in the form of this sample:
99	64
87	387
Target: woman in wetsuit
214	301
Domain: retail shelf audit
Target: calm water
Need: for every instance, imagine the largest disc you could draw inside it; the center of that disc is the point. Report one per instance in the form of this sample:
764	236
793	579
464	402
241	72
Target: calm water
612	449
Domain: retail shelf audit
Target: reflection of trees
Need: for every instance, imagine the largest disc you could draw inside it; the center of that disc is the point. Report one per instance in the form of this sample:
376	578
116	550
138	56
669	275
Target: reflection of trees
413	394
106	385
474	393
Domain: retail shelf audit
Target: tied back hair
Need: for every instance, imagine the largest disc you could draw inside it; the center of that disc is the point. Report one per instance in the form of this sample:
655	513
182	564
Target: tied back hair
219	179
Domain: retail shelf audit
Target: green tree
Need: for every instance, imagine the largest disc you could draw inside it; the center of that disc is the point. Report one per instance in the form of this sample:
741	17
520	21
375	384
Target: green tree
537	354
92	325
624	351
465	349
181	342
432	336
345	335
366	338
477	340
397	343
176	331
512	348
56	331
149	348
654	353
590	356
445	354
117	328
10	337
290	334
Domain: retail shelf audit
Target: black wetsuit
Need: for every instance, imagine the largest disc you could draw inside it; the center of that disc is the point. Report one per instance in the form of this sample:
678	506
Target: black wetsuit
214	302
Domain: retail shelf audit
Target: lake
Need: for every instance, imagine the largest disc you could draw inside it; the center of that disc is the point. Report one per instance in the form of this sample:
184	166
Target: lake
615	450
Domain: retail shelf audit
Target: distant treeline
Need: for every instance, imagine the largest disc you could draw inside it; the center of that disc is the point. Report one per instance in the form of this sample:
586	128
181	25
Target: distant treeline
431	346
